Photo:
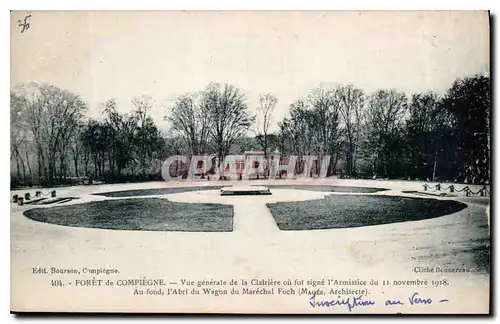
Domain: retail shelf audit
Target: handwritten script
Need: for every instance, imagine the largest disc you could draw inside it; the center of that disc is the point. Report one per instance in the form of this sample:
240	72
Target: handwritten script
24	25
359	301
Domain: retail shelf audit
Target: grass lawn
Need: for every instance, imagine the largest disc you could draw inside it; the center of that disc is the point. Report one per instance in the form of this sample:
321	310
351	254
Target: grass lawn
153	192
151	214
340	211
328	188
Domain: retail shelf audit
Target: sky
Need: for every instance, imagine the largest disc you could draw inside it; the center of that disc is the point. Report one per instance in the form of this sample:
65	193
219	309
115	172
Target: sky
105	54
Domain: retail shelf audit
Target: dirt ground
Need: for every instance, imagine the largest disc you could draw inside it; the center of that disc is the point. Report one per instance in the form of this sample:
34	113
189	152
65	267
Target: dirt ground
255	249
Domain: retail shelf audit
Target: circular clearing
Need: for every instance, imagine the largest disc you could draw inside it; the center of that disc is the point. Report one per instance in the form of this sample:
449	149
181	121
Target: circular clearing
153	192
149	214
215	197
168	191
329	188
343	211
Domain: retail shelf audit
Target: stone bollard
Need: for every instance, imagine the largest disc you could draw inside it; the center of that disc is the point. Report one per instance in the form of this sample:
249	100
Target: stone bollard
38	194
438	187
452	188
20	201
467	191
27	196
14	198
425	187
53	193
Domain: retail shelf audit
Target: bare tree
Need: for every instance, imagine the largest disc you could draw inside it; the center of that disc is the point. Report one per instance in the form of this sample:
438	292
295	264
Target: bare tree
142	107
69	111
76	147
229	116
325	107
18	134
300	128
189	118
117	137
34	113
267	103
324	104
386	113
351	102
52	115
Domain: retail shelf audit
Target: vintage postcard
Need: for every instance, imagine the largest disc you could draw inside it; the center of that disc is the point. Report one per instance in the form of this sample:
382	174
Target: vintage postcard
253	162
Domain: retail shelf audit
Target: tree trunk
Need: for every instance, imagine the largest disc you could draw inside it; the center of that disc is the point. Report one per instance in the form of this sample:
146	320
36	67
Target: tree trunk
86	163
99	168
18	172
221	162
435	165
103	167
75	161
62	167
96	175
111	164
40	167
24	169
354	162
52	164
28	160
266	169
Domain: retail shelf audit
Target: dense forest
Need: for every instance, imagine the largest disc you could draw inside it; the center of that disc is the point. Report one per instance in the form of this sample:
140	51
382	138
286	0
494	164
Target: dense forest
384	134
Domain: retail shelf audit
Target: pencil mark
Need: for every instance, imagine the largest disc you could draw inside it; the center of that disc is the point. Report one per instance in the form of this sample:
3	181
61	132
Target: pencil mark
24	25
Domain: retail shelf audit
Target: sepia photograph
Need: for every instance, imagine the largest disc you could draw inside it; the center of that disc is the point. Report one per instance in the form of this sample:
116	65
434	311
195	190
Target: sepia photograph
250	162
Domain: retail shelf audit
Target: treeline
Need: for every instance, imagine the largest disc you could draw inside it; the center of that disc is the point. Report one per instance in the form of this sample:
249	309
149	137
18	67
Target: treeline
384	134
52	142
387	134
